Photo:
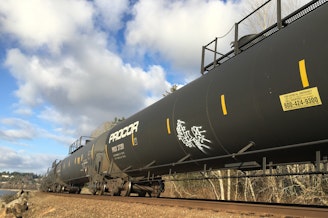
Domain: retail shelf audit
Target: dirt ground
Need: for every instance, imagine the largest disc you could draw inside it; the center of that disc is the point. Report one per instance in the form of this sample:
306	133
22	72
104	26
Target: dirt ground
46	205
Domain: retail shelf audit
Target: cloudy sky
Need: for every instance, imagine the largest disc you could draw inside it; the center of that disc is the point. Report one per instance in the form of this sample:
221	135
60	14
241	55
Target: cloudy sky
67	66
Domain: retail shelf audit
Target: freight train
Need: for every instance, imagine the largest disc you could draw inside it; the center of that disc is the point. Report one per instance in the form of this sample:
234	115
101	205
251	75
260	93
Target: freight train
260	105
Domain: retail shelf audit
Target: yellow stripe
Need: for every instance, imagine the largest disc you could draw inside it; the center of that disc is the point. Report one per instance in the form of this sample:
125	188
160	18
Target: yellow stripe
132	138
303	74
92	151
106	152
168	126
223	105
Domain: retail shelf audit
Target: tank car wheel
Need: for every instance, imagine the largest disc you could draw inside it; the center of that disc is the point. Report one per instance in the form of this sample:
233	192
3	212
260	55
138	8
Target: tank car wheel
126	191
58	188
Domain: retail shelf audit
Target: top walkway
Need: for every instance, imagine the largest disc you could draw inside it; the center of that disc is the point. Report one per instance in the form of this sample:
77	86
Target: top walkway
243	43
79	143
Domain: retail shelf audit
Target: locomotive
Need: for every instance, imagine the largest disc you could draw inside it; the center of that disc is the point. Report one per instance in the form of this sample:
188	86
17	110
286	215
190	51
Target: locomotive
262	104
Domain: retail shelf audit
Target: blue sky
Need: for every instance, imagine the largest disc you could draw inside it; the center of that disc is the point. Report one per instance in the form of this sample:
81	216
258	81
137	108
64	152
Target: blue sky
67	66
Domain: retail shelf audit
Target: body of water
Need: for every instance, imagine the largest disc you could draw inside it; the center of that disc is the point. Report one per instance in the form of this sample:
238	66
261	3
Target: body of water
6	192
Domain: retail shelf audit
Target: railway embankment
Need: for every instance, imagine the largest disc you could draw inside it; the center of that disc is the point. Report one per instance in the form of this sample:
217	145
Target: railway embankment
40	204
49	205
65	205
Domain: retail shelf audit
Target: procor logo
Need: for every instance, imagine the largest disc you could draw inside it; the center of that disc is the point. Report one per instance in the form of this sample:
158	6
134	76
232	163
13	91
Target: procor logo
124	132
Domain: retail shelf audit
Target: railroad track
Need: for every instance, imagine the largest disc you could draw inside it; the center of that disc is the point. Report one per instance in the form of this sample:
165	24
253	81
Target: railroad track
244	208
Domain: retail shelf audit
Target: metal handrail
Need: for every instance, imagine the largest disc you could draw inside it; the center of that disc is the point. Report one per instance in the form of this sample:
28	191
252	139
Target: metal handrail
257	37
77	144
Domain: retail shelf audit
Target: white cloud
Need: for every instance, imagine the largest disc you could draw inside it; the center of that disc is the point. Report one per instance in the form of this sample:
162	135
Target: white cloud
178	29
63	137
23	110
25	162
85	89
17	131
37	23
53	116
83	83
13	129
111	13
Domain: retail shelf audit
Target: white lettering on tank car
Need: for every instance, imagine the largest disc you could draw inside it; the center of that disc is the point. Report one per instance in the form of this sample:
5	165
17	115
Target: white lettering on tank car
124	132
193	138
117	148
119	156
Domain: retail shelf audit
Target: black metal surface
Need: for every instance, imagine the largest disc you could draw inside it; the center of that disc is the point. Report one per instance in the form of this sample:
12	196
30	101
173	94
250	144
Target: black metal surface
230	117
73	169
251	83
265	33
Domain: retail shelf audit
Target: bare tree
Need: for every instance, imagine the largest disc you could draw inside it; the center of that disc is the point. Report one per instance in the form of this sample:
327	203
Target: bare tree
267	15
173	88
106	126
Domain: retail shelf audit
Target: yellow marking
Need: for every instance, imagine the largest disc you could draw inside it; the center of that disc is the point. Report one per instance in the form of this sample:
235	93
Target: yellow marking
223	105
300	99
132	138
92	152
304	78
168	126
106	152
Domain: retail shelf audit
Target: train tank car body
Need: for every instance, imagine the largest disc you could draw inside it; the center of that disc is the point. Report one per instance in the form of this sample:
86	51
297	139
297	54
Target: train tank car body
262	106
266	104
87	163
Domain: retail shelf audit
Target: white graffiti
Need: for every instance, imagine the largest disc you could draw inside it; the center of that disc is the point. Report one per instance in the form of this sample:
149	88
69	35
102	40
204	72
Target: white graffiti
192	138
